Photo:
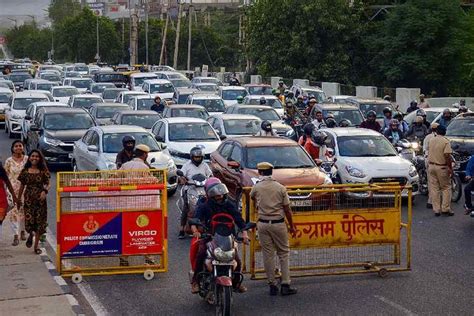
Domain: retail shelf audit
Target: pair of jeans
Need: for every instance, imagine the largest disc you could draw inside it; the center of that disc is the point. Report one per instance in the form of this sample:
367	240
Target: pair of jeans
467	193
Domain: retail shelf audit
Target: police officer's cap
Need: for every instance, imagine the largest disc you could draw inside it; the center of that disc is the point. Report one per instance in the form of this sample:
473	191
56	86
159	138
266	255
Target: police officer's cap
264	166
434	125
143	147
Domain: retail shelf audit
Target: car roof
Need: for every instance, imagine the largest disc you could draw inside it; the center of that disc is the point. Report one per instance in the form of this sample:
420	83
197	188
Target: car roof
5	90
158	81
183	120
144	112
143	96
110	104
186	106
133	92
49	103
143	75
102	83
252	106
351	131
87	95
236	117
257	85
232	88
202	77
369	100
256	141
61	109
184	90
336	106
119	129
63	87
258	96
206	96
30	93
464	116
77	79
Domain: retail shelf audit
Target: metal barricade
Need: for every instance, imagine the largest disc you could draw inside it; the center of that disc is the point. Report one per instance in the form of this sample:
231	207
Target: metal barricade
112	222
341	229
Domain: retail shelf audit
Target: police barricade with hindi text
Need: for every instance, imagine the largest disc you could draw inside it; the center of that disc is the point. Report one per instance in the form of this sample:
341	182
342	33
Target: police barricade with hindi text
111	222
341	229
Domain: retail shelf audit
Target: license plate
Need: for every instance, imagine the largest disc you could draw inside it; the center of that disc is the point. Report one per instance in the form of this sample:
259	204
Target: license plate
300	203
70	156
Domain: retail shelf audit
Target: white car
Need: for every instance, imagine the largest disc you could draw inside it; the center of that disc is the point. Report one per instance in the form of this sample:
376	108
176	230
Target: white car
141	102
98	149
432	114
230	94
137	79
181	134
366	156
17	108
82	84
98	88
235	125
124	96
159	87
212	102
7	84
177	79
270	100
39	84
83	69
63	93
110	94
30	115
5	95
84	100
206	80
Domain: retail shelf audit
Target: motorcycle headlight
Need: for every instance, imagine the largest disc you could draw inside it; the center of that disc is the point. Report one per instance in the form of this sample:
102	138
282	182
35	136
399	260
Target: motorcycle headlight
171	166
415	145
412	172
52	141
355	172
224	256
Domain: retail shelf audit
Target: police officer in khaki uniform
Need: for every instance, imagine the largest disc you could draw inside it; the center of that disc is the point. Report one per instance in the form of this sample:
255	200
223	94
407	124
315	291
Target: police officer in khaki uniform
439	172
273	206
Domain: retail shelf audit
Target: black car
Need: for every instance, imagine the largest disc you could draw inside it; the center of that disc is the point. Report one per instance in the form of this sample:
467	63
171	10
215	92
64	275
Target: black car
340	112
460	133
116	78
54	131
18	78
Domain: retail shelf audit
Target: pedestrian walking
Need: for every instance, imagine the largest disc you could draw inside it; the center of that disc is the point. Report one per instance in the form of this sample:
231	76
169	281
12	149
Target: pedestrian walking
273	206
4	203
13	167
440	172
34	179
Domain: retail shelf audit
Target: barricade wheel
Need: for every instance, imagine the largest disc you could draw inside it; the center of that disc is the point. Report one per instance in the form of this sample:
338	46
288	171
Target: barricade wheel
76	278
148	275
383	273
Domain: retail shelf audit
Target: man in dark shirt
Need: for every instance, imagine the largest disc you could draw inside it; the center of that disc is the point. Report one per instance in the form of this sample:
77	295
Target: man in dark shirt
126	154
158	106
371	122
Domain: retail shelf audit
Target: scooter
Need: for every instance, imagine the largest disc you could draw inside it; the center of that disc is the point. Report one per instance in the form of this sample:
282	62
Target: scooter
193	191
328	166
215	282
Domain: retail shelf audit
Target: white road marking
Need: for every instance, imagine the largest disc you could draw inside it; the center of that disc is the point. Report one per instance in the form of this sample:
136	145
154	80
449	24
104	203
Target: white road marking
397	306
59	280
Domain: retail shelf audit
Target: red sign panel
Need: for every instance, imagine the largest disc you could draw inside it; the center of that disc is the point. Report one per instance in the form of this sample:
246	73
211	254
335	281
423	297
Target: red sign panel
142	233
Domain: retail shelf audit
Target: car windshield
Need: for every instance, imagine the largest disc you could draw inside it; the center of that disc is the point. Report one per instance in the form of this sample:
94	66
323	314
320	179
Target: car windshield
211	105
353	116
51	77
139	81
65	92
209	80
5	97
145	104
365	146
182	98
263	114
280	157
180	83
161	88
111	77
320	96
274	103
183	132
81	84
197	113
81	68
99	88
241	127
111	94
109	111
112	143
67	121
72	75
207	87
233	94
143	120
85	102
377	108
128	96
260	90
461	128
19	77
22	103
44	86
6	84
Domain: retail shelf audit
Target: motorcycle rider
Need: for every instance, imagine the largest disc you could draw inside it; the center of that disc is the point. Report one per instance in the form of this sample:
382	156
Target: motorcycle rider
469	187
316	146
318	119
387	118
403	125
195	166
413	106
463	109
308	129
266	130
331	122
263	101
423	103
126	154
446	118
281	87
312	102
158	106
371	122
217	202
234	81
300	105
393	133
422	113
417	129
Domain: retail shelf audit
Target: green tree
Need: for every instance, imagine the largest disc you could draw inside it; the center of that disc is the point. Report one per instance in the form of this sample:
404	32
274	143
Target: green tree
29	41
59	10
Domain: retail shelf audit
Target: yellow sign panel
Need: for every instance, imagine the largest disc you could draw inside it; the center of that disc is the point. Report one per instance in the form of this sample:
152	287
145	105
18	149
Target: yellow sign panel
345	229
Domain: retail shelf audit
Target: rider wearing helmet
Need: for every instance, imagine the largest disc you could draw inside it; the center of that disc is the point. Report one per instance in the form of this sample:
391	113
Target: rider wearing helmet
345	123
446	118
217	203
331	122
413	106
371	122
387	118
263	101
234	81
266	130
126	154
417	129
240	99
387	98
316	147
422	113
463	109
194	166
393	133
308	131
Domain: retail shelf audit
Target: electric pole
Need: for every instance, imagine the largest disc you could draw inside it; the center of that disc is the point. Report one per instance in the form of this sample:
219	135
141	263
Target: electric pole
190	21
165	32
176	42
146	33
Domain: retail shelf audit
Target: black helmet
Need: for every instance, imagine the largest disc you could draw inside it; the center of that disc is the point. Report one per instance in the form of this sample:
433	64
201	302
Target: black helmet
447	111
387	98
308	128
128	139
196	155
319	138
387	110
263	101
371	113
331	123
420	112
345	123
266	126
463	109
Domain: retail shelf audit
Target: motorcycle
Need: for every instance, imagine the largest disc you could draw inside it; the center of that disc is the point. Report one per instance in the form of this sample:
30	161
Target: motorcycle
193	191
405	150
328	166
215	282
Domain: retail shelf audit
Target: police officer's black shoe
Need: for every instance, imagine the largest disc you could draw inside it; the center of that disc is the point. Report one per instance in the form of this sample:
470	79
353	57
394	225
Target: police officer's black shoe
273	290
181	235
287	290
429	206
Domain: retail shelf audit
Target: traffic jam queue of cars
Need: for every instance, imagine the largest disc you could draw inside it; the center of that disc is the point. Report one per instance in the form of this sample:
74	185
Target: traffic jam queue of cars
79	118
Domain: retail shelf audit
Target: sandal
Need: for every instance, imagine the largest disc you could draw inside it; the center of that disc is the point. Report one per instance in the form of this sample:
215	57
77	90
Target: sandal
29	241
16	241
38	251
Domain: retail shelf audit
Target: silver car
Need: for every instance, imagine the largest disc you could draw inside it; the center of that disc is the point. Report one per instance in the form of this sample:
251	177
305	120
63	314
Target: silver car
103	112
98	149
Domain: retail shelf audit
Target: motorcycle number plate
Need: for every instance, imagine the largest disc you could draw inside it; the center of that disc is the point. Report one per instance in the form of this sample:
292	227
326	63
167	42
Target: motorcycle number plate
301	203
217	263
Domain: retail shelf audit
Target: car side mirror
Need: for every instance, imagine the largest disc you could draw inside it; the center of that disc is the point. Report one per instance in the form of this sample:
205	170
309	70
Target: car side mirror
163	146
234	165
222	137
27	117
92	148
159	139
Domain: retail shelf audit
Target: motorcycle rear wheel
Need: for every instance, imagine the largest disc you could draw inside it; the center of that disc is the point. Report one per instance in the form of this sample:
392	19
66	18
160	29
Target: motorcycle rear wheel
456	187
224	300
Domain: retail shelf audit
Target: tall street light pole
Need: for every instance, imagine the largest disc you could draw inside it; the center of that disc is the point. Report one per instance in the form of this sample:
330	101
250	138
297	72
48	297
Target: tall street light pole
190	21
146	32
176	43
97	56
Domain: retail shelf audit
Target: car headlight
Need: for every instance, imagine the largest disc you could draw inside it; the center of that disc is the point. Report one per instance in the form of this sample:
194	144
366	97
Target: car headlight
355	172
224	256
110	165
171	165
412	172
415	145
16	116
327	179
52	141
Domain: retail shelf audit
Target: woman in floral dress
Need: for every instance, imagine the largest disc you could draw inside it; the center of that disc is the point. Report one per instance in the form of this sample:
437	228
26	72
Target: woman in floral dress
34	179
13	167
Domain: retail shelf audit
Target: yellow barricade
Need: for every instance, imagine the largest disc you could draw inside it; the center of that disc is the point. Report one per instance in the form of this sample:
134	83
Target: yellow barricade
341	229
112	222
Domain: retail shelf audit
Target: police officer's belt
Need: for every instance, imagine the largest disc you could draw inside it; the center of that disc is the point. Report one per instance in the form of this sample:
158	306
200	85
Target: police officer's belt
273	221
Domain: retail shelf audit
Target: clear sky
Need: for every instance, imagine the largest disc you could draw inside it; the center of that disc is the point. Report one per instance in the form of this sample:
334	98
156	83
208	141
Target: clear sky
28	7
